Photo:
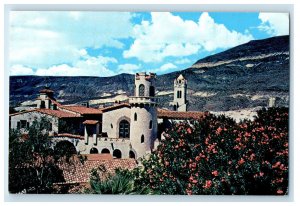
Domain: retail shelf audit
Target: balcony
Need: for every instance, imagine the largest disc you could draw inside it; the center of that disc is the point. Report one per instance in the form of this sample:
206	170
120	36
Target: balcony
143	100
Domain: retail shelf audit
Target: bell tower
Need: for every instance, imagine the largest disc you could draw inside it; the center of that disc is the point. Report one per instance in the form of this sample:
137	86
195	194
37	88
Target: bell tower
44	99
143	126
180	92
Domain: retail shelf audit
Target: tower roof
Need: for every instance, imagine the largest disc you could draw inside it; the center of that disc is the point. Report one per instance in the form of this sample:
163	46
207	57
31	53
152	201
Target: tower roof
180	77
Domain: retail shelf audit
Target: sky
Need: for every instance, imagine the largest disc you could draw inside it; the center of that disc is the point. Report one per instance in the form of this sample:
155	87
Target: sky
72	43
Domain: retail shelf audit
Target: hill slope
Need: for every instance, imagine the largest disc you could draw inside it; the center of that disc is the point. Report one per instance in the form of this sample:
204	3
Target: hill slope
241	77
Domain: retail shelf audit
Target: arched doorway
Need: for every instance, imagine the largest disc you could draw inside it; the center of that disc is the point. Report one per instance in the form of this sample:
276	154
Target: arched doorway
94	151
105	151
117	153
64	148
131	154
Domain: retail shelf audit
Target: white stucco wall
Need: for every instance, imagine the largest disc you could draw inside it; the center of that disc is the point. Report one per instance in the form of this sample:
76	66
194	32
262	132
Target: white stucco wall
111	120
106	143
31	116
141	127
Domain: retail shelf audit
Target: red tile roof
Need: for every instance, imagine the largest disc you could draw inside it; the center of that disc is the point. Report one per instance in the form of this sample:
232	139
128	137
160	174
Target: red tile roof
118	106
96	157
46	91
82	109
69	135
161	113
81	172
90	122
56	113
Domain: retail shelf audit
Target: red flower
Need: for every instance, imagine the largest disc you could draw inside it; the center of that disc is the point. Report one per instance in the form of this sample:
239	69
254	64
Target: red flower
189	130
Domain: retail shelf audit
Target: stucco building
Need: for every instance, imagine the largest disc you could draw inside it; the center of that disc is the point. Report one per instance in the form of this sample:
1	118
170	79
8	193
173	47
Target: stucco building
127	130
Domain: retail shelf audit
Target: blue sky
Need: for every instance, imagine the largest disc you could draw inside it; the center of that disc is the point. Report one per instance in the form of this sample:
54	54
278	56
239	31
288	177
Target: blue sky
109	43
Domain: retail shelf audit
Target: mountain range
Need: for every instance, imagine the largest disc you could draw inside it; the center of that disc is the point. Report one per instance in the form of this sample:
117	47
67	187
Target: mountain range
245	76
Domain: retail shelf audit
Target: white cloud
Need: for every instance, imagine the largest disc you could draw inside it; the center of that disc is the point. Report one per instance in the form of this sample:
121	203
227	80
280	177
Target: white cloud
88	66
41	39
182	61
167	66
21	70
128	68
275	24
170	36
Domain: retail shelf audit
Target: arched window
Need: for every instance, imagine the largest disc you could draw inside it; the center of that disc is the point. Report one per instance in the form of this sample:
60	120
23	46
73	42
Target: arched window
141	90
150	124
124	129
117	153
142	139
131	154
135	117
94	151
105	151
152	91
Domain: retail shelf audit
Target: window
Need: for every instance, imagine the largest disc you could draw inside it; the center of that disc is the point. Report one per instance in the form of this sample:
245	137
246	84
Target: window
178	94
142	139
150	124
111	126
135	117
141	90
124	129
23	124
43	105
152	91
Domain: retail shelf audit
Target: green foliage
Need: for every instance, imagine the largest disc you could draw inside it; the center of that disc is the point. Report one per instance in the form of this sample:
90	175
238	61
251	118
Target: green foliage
32	166
218	156
122	182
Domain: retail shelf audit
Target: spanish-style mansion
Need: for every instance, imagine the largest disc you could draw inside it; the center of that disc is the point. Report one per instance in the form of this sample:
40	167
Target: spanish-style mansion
127	130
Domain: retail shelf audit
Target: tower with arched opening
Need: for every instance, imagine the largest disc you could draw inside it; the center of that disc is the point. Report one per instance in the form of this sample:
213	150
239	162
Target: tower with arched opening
180	92
143	130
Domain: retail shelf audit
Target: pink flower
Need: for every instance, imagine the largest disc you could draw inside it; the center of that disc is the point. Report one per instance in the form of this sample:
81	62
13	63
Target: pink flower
215	173
280	192
189	130
208	184
241	161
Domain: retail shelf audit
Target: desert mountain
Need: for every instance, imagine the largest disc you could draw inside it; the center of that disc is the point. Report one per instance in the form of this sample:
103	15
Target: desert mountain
245	76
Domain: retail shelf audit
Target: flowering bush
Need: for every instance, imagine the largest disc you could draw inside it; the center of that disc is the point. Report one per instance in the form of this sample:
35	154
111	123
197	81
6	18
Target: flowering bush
219	156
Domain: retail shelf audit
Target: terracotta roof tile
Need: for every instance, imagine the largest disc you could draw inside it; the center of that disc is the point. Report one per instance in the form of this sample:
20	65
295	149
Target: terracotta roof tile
82	109
69	135
56	113
161	113
46	91
90	122
80	172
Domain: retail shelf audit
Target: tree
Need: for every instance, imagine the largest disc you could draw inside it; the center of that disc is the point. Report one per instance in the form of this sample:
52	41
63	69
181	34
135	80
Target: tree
122	182
32	162
218	156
